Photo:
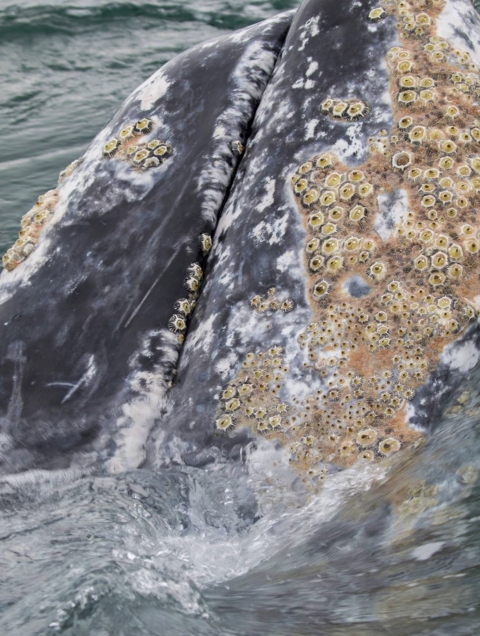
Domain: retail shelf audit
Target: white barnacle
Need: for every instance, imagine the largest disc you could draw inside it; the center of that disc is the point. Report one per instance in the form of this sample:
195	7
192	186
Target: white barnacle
402	160
206	243
110	148
377	14
177	323
321	289
143	126
195	270
127	132
389	446
151	162
191	284
183	306
224	423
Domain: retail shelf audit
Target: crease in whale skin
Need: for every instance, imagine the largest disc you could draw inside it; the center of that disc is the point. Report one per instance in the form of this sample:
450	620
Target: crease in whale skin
306	351
94	289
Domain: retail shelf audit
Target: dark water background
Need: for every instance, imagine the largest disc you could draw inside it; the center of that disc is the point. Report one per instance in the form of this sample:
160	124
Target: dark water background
65	68
389	550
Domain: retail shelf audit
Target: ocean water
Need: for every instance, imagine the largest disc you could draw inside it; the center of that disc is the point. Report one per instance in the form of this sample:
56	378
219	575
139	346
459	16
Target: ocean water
221	551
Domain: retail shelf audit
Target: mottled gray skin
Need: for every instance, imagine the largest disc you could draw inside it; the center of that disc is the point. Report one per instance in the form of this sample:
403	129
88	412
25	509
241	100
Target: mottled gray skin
84	320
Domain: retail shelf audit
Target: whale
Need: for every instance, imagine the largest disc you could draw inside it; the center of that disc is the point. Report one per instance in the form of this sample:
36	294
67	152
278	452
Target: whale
272	247
239	352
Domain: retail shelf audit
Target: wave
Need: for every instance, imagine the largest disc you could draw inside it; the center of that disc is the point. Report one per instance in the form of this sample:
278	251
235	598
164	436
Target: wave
17	22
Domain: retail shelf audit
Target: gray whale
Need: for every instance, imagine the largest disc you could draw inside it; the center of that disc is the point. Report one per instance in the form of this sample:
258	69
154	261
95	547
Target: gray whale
321	154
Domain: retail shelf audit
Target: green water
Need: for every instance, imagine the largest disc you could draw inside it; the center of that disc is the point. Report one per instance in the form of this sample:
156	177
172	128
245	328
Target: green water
65	68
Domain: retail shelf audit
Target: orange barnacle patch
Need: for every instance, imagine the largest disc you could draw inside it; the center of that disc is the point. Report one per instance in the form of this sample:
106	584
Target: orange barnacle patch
383	310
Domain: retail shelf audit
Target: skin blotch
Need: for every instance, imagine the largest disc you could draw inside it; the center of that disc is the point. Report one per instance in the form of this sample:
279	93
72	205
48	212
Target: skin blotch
386	297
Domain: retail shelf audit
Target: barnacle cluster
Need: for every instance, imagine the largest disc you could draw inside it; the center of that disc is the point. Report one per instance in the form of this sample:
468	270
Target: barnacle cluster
32	224
253	397
183	307
385	306
347	109
141	155
271	302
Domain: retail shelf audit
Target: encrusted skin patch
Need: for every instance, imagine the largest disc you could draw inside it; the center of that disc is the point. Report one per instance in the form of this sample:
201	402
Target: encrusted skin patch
391	260
32	225
140	155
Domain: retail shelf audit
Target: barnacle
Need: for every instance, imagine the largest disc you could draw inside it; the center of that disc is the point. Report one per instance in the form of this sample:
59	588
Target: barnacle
448	146
334	264
436	279
333	180
336	213
191	284
347	191
405	123
365	189
316	263
472	246
378	271
287	305
402	160
330	246
237	148
417	134
195	270
151	162
351	244
140	156
206	243
183	306
143	126
321	289
407	97
377	14
329	228
389	446
327	198
439	260
339	109
316	220
224	423
326	105
110	148
312	245
421	262
232	405
324	160
151	145
163	151
366	437
310	197
407	81
357	213
357	110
